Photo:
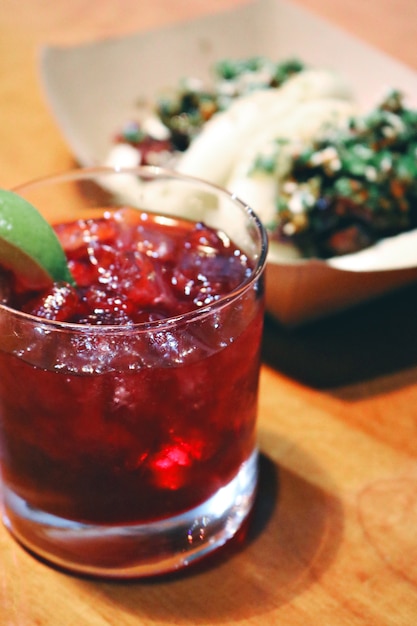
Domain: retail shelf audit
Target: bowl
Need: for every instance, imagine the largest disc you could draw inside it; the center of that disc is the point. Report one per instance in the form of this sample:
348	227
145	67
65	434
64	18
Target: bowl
120	77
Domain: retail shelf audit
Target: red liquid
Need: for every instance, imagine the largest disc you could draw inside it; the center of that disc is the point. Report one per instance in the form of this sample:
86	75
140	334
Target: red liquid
130	427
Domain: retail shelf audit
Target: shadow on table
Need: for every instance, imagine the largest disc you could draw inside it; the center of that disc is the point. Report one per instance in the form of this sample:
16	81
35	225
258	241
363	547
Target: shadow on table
377	338
291	540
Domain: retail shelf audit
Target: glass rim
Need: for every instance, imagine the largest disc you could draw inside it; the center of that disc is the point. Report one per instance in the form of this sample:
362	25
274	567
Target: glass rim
156	172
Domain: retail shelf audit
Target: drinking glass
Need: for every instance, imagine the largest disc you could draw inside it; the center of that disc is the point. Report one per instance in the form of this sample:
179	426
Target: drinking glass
130	450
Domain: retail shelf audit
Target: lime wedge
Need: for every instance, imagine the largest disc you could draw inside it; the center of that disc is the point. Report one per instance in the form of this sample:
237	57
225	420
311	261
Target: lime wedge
29	247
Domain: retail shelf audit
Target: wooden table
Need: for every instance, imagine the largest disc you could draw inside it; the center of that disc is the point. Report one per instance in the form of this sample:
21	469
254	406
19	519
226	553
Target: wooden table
334	536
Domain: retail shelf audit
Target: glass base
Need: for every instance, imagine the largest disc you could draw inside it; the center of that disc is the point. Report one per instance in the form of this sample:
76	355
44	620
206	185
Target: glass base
135	550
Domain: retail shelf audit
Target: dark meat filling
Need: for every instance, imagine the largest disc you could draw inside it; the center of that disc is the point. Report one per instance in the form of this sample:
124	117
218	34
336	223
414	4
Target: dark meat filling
354	186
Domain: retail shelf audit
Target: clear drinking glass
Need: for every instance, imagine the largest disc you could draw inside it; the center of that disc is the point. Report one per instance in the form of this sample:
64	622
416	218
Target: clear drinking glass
130	450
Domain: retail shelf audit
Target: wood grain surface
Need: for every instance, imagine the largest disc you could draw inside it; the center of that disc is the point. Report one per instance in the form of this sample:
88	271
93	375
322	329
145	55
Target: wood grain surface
333	539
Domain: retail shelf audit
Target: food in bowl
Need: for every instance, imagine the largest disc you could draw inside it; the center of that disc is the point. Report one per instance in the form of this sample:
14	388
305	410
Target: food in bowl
325	179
